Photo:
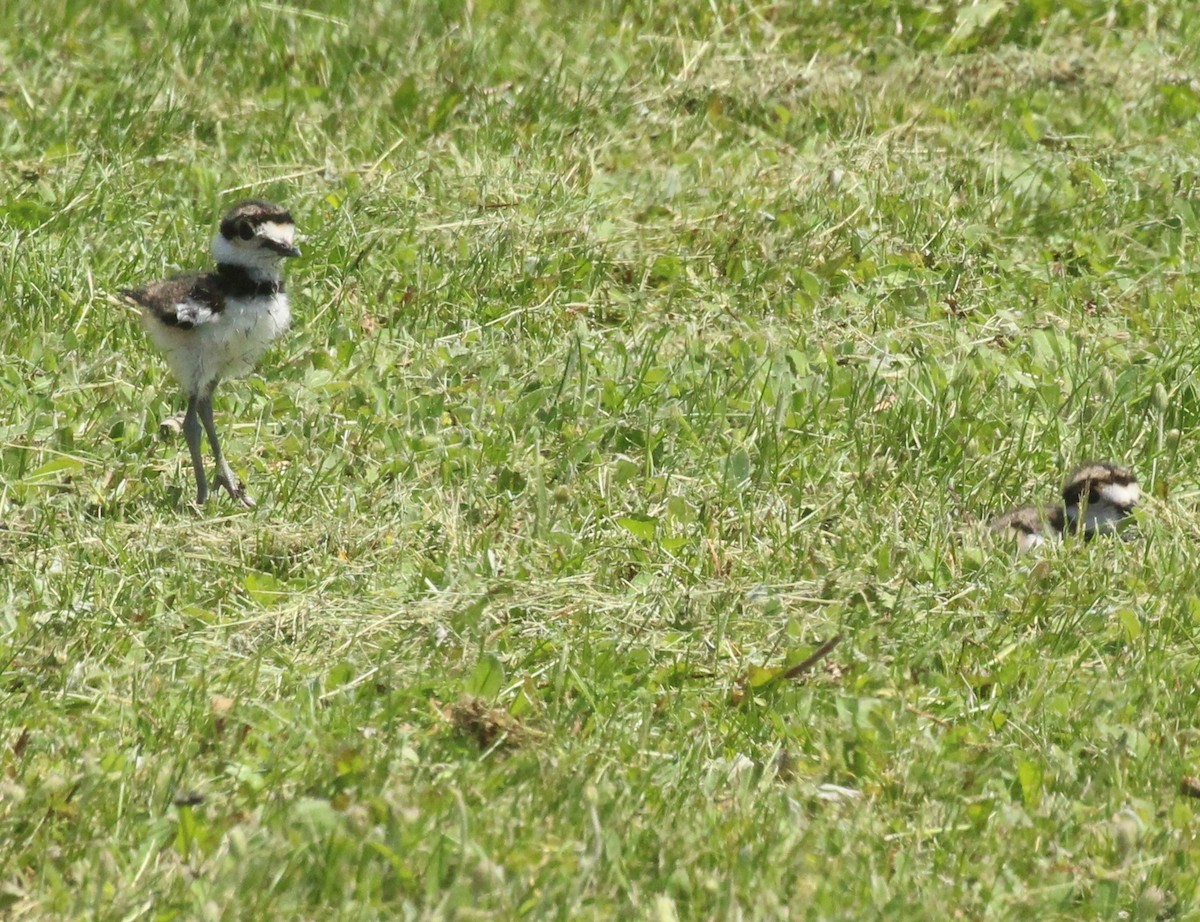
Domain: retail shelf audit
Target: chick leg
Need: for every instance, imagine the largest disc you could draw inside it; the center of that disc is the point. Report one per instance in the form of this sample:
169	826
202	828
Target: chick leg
191	431
225	476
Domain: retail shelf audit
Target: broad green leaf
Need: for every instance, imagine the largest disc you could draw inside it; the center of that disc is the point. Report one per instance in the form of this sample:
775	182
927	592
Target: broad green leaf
1129	621
758	676
263	588
972	17
486	679
739	465
643	527
1030	776
57	466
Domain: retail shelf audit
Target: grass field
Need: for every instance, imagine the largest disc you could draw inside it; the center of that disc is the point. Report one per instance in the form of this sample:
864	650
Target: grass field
640	348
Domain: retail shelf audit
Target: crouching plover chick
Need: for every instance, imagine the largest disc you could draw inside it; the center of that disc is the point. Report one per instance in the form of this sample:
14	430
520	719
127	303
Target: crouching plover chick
1097	497
217	325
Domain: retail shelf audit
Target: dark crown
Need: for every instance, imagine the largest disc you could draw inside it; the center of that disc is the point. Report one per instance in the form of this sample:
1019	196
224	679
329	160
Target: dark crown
252	213
1086	481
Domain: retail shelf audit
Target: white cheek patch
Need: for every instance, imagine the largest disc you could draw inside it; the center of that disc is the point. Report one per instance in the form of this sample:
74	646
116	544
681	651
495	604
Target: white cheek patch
280	233
1121	495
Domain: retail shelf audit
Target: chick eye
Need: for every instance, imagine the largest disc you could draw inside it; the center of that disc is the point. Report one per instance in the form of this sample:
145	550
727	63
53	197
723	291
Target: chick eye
245	231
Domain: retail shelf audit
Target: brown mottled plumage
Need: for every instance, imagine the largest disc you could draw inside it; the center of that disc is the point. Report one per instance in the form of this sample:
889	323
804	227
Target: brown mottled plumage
185	300
1031	524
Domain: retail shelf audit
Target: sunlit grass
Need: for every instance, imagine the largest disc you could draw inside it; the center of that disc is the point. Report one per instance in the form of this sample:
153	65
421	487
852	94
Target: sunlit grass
639	349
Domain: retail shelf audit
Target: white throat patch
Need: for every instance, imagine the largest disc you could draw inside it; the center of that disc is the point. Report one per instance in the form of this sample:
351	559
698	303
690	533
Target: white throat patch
261	262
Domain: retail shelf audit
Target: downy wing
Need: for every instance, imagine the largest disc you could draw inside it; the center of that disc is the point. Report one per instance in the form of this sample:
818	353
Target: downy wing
182	302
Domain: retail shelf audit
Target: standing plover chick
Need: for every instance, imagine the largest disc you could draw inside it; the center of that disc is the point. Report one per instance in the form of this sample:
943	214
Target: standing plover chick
216	325
1097	497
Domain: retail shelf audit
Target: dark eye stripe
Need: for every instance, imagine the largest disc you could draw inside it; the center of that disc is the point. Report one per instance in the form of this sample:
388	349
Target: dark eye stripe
254	218
275	245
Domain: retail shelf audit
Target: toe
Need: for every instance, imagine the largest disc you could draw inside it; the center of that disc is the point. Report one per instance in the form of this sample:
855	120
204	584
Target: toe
236	490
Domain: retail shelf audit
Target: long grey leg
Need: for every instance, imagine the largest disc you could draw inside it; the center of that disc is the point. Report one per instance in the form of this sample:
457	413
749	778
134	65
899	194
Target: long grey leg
191	431
225	477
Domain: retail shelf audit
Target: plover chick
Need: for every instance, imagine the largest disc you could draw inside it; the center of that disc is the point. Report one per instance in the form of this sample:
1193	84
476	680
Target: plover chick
1097	497
216	325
